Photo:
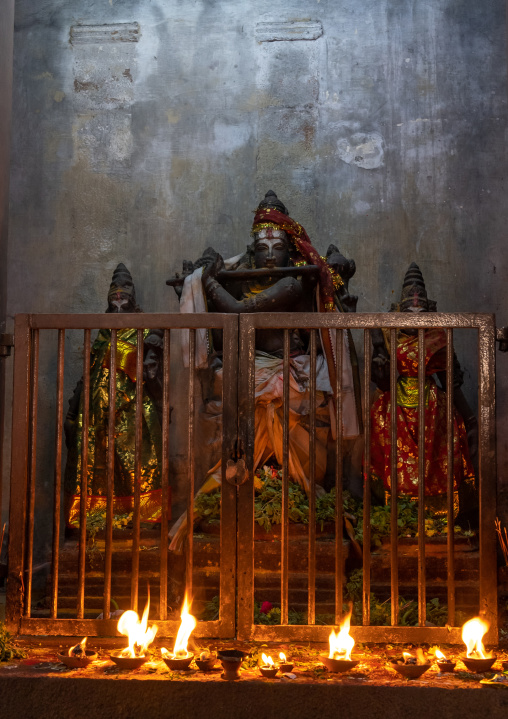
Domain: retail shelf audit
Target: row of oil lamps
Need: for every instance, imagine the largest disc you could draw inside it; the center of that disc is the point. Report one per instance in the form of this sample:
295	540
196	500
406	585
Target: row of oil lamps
339	659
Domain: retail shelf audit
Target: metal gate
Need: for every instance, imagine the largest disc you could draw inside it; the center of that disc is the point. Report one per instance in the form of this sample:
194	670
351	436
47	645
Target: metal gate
237	563
30	332
247	628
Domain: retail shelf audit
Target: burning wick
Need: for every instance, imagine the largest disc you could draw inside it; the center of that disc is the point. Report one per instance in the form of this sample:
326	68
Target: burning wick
267	661
187	625
440	656
282	657
342	643
472	634
79	650
137	631
410	659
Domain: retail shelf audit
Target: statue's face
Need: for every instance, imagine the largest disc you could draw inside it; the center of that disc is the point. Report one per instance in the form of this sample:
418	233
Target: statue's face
271	248
120	302
418	303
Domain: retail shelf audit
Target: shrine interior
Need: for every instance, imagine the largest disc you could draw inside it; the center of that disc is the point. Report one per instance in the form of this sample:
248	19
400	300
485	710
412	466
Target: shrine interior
142	133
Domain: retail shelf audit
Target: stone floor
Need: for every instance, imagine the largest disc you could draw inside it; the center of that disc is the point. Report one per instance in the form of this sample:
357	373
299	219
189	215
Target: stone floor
39	687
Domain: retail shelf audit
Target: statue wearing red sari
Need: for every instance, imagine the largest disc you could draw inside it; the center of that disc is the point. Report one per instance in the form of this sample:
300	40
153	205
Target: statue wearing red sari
414	299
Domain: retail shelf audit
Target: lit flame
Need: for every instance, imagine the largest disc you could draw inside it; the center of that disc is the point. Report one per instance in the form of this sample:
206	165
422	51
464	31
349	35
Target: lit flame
410	659
137	631
187	625
342	643
472	633
282	657
439	654
78	650
267	661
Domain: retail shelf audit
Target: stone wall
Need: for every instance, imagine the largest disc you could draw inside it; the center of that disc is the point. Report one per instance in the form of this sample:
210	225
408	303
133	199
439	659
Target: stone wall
145	131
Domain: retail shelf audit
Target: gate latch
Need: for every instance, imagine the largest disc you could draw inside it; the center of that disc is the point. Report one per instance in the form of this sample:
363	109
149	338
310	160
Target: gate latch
236	472
6	342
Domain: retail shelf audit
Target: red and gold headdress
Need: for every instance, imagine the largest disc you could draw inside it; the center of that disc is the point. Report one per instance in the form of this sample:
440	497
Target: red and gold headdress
272	213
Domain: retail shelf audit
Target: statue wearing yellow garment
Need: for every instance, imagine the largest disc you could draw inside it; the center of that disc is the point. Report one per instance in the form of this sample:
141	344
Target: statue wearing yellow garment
121	298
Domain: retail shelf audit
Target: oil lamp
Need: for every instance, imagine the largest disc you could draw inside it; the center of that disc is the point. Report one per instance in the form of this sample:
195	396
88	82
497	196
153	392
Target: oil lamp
205	662
477	659
268	668
341	645
284	665
444	664
231	660
181	658
139	636
409	666
78	656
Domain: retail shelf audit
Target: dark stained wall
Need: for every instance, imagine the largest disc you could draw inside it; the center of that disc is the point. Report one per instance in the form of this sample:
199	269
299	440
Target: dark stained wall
380	124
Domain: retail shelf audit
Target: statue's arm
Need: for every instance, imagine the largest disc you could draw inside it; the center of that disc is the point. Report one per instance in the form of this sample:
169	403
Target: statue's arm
380	366
283	296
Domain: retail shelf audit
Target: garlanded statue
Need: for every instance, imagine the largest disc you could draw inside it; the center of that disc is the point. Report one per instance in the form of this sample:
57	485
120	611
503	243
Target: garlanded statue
121	298
414	299
280	272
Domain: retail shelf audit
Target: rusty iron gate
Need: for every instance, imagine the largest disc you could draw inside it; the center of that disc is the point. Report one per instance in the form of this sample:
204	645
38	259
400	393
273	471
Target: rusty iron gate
21	616
237	563
247	629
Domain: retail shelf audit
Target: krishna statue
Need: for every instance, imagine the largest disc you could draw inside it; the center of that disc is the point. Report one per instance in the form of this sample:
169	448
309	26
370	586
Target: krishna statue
244	283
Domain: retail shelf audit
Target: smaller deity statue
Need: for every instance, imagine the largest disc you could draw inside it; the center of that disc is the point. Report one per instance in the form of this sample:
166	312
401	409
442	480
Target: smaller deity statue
414	299
121	298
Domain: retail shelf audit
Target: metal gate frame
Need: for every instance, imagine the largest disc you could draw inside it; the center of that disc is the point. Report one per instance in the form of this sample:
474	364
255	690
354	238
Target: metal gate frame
22	486
484	324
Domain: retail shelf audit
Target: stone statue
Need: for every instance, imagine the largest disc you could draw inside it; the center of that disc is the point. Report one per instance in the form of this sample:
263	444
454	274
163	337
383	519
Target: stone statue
121	298
280	272
414	299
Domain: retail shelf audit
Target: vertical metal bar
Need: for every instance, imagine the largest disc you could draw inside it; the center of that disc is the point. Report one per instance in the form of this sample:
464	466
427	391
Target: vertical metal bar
339	514
422	609
450	475
245	521
311	614
138	442
230	443
366	485
166	418
190	436
284	560
19	462
32	472
487	481
84	476
111	478
58	474
394	558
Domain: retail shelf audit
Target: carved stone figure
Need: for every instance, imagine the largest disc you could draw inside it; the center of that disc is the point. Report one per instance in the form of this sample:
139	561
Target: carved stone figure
280	272
121	298
414	299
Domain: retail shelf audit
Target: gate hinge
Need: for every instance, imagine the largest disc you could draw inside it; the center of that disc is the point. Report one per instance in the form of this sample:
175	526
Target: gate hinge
6	342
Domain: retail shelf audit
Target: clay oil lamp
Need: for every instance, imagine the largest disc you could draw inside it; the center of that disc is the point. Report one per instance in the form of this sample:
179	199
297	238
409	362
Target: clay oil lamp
409	666
181	658
268	668
477	659
205	662
443	663
139	636
341	645
284	665
78	656
231	660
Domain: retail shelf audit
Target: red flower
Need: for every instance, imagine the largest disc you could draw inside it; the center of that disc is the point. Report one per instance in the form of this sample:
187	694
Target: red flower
266	607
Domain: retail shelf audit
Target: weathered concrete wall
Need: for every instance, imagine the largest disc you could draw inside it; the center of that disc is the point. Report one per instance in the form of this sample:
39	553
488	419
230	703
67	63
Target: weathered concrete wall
381	125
